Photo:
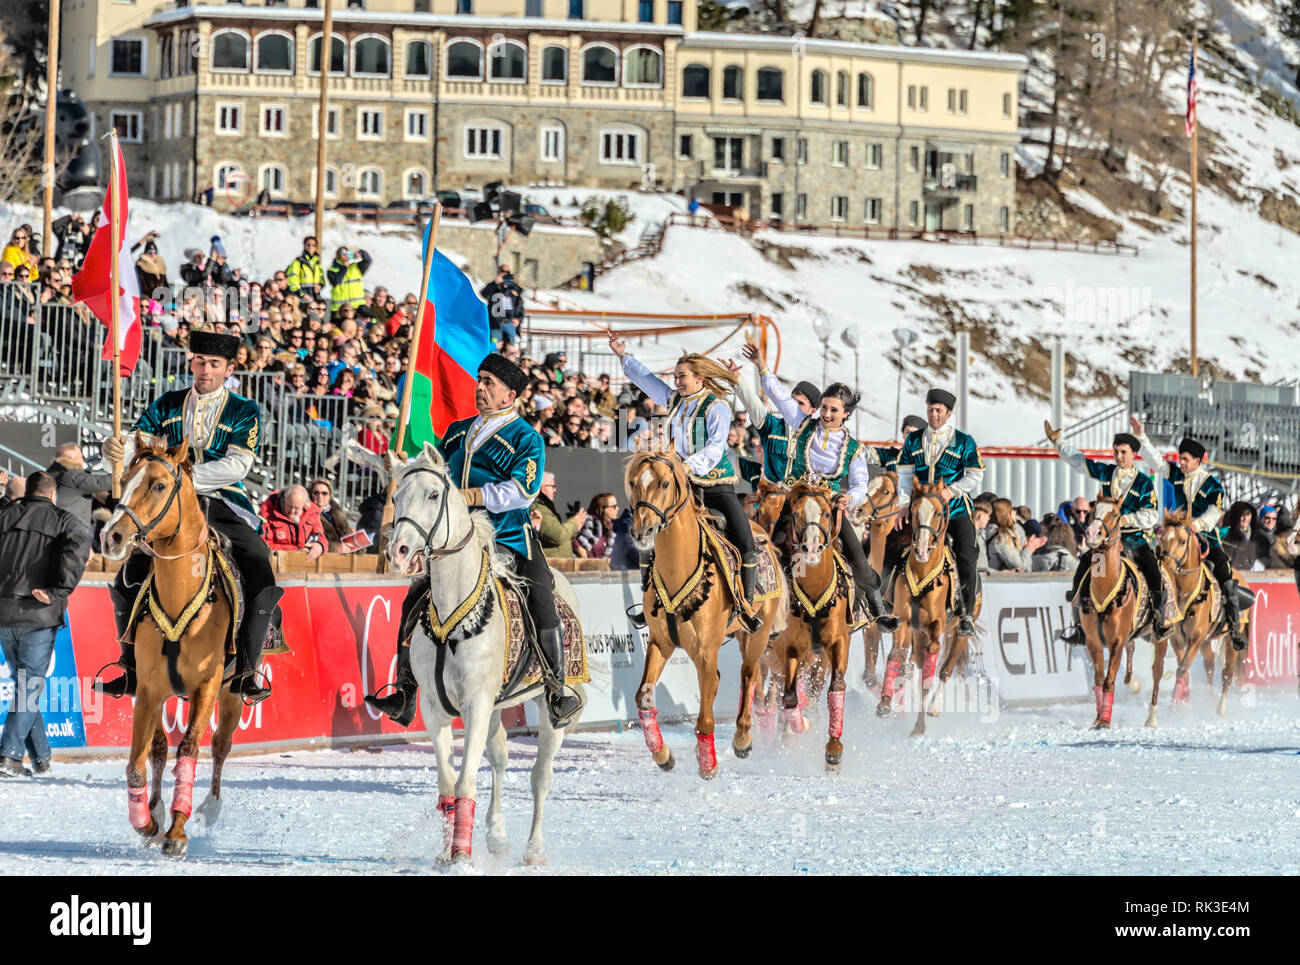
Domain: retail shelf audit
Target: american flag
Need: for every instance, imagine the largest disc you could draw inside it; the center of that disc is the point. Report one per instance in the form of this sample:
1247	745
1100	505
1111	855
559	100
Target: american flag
1189	122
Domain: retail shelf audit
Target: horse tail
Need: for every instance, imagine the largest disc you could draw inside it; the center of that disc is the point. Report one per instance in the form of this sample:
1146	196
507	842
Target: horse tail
782	618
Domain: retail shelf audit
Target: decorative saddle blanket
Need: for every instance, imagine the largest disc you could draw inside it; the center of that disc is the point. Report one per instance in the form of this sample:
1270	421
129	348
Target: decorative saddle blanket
717	555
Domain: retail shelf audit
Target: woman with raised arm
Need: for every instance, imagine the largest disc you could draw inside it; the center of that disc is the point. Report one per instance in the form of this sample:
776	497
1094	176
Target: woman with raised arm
699	418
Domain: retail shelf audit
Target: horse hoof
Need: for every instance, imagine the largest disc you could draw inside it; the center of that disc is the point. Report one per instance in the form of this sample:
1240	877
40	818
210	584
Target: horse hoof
175	847
209	811
870	679
832	766
498	847
667	765
708	775
883	709
934	712
742	752
459	856
1101	725
534	859
1133	686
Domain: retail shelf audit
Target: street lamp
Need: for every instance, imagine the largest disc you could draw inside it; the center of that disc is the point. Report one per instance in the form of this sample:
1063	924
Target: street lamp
850	338
822	328
904	337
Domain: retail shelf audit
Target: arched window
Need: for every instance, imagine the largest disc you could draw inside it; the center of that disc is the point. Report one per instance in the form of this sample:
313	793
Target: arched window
338	55
419	59
275	52
733	83
227	174
415	184
272	178
599	64
771	84
643	67
229	50
331	182
695	81
370	183
370	56
866	90
842	89
465	59
817	89
507	61
555	64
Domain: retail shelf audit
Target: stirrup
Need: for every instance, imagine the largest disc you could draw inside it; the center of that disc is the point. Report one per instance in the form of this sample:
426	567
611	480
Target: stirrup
1072	635
637	619
245	685
125	683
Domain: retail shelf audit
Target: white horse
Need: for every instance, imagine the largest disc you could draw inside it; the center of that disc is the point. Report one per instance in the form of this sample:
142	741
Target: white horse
434	529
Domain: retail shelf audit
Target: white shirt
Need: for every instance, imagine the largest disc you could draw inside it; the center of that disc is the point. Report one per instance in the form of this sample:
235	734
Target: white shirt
827	445
1145	518
499	497
717	419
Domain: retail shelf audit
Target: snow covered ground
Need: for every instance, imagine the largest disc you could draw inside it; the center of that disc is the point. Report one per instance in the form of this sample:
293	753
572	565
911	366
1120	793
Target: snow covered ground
1032	792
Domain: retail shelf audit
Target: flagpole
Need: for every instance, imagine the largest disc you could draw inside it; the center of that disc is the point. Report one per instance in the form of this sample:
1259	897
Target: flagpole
404	411
322	127
114	292
1195	370
51	109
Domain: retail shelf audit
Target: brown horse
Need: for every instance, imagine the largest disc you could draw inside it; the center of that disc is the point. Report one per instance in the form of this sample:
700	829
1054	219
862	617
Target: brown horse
923	589
1201	620
880	515
1116	607
185	600
769	501
688	604
820	585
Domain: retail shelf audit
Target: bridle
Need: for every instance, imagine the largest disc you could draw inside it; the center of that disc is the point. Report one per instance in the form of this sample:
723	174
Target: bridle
141	536
429	551
797	536
918	527
679	496
876	516
1109	533
1180	562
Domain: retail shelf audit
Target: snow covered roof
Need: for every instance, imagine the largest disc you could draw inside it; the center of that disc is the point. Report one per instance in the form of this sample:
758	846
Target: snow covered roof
933	55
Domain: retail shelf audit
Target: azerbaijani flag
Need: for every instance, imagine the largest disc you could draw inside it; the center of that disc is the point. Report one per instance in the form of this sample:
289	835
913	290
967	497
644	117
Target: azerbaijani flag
454	339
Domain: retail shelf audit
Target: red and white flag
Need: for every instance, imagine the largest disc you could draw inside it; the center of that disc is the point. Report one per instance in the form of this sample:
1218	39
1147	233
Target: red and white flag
91	286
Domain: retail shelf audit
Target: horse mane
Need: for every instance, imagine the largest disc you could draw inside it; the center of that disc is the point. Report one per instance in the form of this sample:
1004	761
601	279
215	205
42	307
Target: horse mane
151	445
637	461
1176	518
927	489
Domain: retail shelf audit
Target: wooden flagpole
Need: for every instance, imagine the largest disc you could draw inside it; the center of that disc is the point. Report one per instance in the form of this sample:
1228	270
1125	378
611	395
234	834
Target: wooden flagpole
322	127
404	411
114	291
51	109
1195	125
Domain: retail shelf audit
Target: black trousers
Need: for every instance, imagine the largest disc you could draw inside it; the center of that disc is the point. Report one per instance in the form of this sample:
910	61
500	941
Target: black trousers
251	556
966	551
1220	565
1140	553
725	501
863	575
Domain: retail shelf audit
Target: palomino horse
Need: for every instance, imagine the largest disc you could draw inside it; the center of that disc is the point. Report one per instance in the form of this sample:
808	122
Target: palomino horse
819	593
880	514
186	605
923	588
1116	607
769	502
461	673
689	605
1200	620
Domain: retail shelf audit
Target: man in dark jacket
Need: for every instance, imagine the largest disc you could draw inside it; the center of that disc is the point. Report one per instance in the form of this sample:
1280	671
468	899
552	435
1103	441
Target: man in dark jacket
43	553
505	302
76	484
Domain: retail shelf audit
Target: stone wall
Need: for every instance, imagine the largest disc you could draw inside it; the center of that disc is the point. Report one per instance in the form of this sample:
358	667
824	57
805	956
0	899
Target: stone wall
549	255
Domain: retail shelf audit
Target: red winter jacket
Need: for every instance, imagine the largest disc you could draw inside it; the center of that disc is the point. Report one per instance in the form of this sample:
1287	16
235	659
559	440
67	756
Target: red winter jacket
282	533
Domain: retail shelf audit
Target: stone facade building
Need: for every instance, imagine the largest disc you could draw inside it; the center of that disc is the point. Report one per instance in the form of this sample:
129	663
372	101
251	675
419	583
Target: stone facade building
435	94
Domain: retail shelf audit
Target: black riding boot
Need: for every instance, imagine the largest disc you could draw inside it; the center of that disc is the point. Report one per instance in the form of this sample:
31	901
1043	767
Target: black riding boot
123	686
400	704
885	621
748	581
1073	634
636	612
1232	612
262	613
562	705
1158	626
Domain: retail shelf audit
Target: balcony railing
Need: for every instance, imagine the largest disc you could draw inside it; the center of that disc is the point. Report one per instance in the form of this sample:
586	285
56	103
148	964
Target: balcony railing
952	184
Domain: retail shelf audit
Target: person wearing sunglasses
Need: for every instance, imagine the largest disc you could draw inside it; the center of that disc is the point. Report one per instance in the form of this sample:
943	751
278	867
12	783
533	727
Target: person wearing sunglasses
19	254
333	518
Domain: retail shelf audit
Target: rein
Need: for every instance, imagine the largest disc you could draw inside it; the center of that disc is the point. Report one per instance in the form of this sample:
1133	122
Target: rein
144	529
939	533
680	497
1180	562
429	550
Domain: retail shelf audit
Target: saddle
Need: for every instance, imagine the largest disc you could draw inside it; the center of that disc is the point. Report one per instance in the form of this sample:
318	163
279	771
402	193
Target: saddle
718	559
947	564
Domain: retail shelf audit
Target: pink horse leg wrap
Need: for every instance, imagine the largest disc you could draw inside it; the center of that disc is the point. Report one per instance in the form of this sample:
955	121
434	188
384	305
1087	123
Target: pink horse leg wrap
794	717
892	670
800	692
1181	690
708	756
928	670
462	836
137	806
1096	693
183	792
835	706
1107	703
447	808
654	739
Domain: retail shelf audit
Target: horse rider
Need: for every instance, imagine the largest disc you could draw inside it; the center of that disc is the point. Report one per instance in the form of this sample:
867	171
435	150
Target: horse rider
497	460
1200	493
222	429
942	453
699	419
886	457
772	429
823	451
1135	492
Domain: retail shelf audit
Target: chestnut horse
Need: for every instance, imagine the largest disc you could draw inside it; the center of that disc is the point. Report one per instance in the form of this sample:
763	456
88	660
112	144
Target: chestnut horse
1117	606
188	599
922	591
880	515
1198	626
819	583
688	605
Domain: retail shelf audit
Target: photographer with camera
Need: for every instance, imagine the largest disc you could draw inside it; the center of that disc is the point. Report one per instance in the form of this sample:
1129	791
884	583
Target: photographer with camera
556	537
505	301
345	278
